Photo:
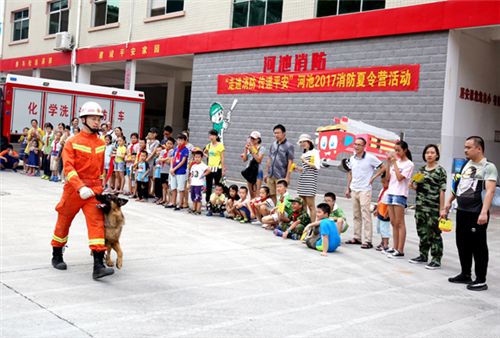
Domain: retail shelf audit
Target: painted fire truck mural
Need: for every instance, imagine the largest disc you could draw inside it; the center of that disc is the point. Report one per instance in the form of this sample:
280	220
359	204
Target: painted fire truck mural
336	142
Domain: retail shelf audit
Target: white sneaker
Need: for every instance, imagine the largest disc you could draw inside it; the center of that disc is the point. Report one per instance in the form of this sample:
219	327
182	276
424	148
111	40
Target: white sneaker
264	225
256	222
389	251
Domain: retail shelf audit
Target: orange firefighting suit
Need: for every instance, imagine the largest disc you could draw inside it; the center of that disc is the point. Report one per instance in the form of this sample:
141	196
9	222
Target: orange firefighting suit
83	158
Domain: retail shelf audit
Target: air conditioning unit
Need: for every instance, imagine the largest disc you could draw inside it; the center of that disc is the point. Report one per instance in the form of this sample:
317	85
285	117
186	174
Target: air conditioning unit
63	42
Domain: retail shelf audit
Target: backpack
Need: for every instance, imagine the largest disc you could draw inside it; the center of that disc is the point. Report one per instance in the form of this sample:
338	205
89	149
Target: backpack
250	173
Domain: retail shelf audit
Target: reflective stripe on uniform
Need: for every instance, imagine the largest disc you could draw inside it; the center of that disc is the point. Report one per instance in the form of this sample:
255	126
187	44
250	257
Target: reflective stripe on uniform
71	174
82	148
101	177
59	239
96	241
100	149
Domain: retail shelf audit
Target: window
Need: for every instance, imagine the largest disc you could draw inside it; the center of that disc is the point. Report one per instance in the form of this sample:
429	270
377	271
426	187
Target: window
58	16
162	7
105	12
335	7
21	21
248	13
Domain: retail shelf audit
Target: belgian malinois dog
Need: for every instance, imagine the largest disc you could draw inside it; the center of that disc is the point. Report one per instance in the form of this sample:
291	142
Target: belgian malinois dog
113	223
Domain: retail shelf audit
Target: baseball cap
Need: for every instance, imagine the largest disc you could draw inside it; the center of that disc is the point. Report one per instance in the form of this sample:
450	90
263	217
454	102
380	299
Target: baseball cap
153	130
255	134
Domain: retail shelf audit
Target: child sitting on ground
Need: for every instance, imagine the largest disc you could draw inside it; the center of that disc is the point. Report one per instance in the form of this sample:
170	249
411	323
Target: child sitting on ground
337	214
217	203
382	214
282	210
231	200
197	173
298	220
262	206
9	159
328	239
243	206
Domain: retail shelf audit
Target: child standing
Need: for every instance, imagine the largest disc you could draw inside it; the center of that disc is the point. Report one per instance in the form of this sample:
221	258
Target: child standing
232	199
165	158
217	202
120	165
198	172
382	214
133	147
47	140
262	206
242	207
107	158
55	149
178	171
297	221
398	172
328	239
282	210
152	144
142	177
24	144
33	162
430	208
157	182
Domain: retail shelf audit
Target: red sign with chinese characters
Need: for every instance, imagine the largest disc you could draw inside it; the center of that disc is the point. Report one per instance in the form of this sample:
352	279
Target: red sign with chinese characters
363	79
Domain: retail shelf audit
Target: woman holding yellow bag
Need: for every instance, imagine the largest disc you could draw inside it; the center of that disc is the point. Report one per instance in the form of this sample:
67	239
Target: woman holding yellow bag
430	184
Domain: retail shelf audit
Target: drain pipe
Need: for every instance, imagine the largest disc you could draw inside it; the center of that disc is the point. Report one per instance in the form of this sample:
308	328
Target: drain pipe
130	23
76	44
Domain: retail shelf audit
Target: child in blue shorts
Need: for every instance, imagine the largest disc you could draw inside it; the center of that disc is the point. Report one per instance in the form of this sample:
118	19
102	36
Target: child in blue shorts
382	214
328	239
243	206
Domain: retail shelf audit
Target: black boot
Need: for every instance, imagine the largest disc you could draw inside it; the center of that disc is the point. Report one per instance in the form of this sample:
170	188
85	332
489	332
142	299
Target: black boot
99	269
57	258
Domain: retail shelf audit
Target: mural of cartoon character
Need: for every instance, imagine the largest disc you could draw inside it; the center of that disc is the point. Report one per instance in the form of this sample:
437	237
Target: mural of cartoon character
219	121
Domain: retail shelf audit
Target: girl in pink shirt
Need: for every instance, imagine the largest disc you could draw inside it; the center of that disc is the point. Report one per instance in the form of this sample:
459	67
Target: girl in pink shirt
399	173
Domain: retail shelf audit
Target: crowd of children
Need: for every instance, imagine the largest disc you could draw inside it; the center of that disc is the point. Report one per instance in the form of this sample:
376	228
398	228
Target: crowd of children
170	170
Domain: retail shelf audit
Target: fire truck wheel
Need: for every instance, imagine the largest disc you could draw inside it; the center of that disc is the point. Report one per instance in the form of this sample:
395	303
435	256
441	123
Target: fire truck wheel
4	143
344	165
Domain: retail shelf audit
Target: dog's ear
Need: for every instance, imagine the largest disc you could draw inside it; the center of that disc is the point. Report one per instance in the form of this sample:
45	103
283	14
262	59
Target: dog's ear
122	202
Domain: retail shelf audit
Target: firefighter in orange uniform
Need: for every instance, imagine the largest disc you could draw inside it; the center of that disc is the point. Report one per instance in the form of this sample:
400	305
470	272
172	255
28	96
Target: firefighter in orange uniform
83	158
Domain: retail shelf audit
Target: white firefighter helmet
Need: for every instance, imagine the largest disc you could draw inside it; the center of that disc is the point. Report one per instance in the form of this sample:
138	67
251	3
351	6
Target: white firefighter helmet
91	108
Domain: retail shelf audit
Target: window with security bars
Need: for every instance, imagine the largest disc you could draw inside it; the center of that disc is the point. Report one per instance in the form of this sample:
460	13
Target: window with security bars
106	12
247	13
58	16
162	7
337	7
21	24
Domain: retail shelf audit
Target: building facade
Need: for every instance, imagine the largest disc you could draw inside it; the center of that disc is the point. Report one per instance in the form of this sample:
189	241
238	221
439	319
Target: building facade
177	52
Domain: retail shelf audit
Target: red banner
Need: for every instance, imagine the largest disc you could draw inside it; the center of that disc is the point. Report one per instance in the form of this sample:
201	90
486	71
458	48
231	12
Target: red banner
36	61
363	79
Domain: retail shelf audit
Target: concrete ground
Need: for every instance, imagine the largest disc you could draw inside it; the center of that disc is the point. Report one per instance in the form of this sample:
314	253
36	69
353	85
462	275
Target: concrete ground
198	276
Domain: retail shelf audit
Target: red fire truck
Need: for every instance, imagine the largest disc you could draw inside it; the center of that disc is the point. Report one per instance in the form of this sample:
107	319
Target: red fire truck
336	142
26	98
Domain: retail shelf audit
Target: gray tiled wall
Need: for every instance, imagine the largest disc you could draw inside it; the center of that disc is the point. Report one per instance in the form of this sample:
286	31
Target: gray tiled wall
418	114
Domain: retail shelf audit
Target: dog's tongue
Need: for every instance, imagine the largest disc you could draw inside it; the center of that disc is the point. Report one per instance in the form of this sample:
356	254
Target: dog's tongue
100	206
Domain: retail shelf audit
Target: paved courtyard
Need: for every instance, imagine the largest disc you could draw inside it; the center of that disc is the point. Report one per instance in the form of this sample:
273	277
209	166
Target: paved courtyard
198	276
